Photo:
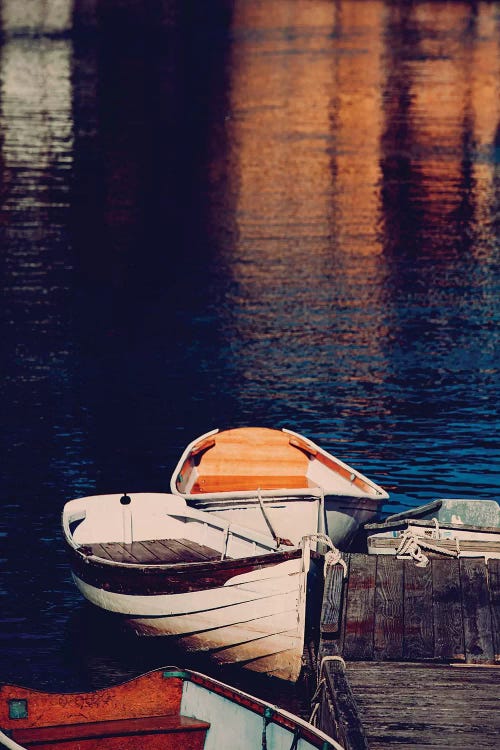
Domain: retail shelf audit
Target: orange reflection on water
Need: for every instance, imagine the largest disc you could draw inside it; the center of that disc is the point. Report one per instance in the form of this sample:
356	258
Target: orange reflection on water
281	82
306	91
306	87
357	125
450	70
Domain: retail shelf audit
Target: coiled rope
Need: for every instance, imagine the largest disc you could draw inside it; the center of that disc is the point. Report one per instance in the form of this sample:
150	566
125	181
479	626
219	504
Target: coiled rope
411	544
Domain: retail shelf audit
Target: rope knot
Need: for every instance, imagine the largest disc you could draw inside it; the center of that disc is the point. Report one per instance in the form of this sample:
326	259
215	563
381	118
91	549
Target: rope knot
334	557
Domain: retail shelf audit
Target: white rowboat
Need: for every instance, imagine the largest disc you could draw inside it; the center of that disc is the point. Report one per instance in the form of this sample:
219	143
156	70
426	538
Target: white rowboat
206	583
239	472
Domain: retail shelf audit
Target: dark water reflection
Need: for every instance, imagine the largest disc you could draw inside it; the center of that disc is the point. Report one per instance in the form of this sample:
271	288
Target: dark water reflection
280	213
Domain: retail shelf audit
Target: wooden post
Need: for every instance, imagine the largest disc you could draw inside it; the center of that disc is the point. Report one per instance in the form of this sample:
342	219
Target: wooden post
338	712
331	610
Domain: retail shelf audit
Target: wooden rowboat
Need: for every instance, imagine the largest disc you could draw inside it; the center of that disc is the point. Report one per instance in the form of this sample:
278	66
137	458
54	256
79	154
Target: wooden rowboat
166	709
452	527
274	472
206	583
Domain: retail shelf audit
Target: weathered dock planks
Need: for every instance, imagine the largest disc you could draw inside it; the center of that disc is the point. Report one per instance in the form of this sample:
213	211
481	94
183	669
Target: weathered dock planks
427	706
408	656
394	610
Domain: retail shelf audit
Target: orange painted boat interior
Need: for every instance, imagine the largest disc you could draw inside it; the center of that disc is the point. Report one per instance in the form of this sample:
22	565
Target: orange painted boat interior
250	458
261	458
143	713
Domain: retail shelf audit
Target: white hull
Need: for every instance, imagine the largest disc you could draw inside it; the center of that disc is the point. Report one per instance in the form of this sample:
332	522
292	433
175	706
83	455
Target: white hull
257	619
291	518
344	516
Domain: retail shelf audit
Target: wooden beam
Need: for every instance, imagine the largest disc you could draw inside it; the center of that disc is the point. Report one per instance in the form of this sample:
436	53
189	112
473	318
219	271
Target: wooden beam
359	619
447	610
418	629
476	610
339	716
388	627
494	586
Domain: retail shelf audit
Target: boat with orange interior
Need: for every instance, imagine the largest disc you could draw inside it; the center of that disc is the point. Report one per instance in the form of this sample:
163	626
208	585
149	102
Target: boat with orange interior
269	477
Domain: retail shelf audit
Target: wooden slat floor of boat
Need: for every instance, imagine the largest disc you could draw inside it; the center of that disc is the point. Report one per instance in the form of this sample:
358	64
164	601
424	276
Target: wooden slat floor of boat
155	551
427	706
391	609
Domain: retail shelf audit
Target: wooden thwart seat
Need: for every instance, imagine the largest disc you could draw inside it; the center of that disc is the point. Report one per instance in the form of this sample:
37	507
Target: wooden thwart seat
168	732
250	483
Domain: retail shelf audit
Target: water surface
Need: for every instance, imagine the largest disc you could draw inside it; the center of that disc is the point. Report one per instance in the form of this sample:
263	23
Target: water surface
276	213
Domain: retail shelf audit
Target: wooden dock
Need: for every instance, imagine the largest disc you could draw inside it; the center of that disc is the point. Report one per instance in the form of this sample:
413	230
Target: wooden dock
409	656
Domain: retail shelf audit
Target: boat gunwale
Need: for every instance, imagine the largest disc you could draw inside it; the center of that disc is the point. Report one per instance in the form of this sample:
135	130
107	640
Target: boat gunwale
258	561
169	580
224	528
269	711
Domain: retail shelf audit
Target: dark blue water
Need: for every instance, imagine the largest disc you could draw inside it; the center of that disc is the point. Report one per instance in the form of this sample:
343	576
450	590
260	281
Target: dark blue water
277	213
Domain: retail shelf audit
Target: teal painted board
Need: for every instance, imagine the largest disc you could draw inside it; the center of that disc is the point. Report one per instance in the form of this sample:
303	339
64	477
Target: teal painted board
459	511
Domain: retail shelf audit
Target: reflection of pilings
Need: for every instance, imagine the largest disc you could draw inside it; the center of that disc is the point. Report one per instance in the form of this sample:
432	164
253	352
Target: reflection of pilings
2	163
495	208
434	132
357	108
400	177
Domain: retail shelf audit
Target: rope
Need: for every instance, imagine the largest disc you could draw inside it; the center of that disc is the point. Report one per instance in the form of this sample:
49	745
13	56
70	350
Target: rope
409	549
267	717
312	718
333	556
316	699
411	545
438	536
296	738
